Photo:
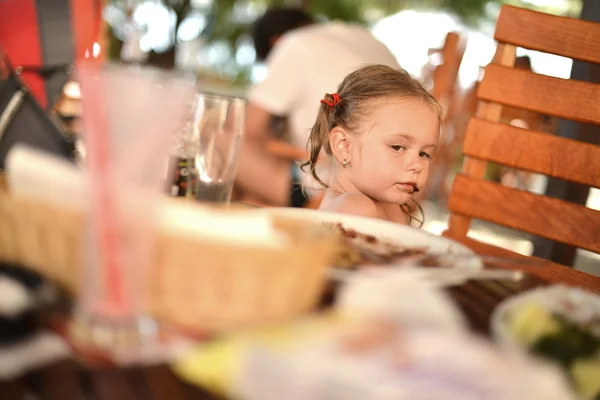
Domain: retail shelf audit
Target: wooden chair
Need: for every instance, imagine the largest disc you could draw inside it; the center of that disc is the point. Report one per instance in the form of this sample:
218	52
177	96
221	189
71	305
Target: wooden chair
445	75
444	78
487	140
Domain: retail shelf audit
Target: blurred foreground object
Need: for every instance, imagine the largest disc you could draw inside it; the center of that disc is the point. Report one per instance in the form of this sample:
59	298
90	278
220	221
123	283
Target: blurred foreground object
375	353
22	120
211	270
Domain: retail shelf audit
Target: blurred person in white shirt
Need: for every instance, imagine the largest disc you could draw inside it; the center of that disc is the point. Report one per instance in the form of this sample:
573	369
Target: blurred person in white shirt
305	60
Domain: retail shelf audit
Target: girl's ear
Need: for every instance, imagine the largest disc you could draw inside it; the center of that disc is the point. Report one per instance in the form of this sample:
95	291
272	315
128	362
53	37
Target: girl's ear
340	142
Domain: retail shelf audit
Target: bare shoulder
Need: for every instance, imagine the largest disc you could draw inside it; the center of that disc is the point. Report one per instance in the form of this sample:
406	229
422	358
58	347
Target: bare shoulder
353	203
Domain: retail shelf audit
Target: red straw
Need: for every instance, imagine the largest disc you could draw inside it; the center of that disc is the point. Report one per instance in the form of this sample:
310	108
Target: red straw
98	139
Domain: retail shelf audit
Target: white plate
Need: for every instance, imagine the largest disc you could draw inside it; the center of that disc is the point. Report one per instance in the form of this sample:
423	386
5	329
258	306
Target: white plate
397	234
551	298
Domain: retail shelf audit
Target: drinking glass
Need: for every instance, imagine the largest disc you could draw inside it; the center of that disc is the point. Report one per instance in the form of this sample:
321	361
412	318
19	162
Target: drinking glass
129	116
216	133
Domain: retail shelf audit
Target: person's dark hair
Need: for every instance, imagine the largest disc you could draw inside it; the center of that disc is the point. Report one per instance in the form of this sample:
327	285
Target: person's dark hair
357	94
274	23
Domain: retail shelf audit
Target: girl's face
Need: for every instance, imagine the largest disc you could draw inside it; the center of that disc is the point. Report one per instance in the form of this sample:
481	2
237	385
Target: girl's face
390	158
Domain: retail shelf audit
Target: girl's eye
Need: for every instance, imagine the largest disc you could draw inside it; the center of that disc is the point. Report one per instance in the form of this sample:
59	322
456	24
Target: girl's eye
424	155
397	147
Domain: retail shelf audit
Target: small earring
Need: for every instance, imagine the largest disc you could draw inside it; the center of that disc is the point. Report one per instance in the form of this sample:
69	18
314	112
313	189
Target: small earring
344	163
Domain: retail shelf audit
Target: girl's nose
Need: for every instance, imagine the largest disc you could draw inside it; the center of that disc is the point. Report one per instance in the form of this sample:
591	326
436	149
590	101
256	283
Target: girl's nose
414	164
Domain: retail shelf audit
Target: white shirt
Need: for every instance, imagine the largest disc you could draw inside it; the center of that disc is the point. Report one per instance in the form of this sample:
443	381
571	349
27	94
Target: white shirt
308	62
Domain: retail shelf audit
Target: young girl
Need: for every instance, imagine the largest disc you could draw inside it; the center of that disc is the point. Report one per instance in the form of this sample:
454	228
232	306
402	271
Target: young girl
381	129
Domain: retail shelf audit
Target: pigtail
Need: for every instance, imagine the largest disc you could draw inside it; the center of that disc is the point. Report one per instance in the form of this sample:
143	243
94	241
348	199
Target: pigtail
318	139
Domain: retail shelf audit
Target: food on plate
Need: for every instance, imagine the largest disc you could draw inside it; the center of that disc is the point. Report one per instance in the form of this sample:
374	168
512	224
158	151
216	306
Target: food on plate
586	377
532	322
357	249
565	330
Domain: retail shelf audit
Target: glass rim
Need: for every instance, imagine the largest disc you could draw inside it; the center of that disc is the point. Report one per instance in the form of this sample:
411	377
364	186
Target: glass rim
137	69
220	97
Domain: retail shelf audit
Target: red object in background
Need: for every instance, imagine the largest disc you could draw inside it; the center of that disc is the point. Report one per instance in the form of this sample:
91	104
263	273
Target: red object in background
86	23
20	40
20	36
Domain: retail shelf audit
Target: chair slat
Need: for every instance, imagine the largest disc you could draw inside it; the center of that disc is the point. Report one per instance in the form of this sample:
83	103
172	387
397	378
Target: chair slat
549	272
563	98
568	37
538	152
505	55
547	217
445	75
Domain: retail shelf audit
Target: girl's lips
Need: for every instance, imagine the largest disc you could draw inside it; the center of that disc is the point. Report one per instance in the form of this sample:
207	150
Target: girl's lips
409	187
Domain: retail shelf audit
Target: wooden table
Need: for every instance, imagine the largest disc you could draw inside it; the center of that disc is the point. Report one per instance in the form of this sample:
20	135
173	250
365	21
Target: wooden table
68	380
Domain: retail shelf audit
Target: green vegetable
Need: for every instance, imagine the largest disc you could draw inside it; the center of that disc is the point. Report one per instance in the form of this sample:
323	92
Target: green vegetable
558	339
567	345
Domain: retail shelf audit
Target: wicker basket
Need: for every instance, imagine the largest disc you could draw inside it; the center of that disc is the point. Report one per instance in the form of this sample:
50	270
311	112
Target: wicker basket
45	239
204	286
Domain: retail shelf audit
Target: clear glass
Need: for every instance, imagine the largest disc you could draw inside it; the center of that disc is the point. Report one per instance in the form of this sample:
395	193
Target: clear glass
129	116
216	133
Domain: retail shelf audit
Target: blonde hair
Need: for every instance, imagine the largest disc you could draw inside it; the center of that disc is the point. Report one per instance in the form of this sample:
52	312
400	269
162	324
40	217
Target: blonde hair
356	94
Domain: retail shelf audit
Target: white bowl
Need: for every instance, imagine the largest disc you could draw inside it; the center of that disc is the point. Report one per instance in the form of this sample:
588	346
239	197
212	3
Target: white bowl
554	299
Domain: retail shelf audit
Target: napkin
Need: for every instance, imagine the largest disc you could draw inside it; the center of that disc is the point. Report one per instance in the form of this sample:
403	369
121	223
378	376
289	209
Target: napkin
368	305
403	296
408	364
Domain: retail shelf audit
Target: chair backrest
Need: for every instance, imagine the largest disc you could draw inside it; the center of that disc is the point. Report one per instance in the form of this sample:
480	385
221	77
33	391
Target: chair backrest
445	75
487	140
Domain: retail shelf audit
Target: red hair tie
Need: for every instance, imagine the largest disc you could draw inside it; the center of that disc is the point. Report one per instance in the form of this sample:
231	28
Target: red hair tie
332	103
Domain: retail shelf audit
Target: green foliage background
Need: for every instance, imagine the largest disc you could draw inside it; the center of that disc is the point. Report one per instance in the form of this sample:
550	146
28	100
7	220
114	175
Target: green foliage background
470	12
